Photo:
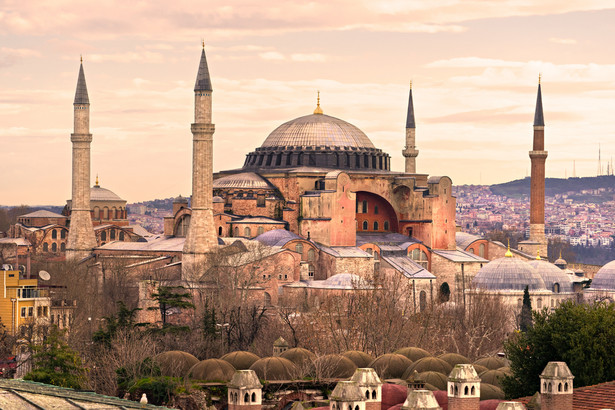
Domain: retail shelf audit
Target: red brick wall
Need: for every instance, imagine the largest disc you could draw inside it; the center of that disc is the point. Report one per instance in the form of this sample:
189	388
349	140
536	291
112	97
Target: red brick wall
464	403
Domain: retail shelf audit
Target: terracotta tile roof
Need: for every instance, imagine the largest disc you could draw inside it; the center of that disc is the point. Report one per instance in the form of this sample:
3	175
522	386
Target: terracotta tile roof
596	397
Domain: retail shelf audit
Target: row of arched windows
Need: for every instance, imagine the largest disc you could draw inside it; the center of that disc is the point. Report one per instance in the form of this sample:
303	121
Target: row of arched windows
247	398
466	390
54	247
54	233
109	213
247	231
112	235
376	226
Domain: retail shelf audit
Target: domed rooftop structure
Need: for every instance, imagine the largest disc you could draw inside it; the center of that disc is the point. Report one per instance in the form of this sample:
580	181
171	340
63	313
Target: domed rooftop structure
361	359
212	370
240	360
97	193
299	356
274	368
243	180
454	358
413	353
175	363
427	364
508	273
490	392
390	365
317	140
493	377
437	379
555	279
491	363
605	277
334	366
277	237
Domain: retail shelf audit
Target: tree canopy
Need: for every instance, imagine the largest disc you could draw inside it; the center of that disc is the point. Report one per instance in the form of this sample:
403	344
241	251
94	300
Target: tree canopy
582	335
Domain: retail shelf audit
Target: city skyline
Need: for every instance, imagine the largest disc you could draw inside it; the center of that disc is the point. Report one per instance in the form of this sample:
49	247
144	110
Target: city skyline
474	69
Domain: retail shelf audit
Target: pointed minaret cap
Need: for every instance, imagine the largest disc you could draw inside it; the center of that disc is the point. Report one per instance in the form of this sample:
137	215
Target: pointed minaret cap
508	253
203	82
81	95
410	116
539	120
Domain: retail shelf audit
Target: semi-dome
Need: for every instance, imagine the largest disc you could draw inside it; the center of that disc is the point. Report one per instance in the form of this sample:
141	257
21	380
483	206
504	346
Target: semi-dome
320	141
508	273
605	277
242	180
555	279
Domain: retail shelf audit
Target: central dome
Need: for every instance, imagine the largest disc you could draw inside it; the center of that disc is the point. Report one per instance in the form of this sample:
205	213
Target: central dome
317	141
317	130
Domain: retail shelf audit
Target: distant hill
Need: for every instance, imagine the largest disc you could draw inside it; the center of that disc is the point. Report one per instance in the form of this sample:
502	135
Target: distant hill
555	186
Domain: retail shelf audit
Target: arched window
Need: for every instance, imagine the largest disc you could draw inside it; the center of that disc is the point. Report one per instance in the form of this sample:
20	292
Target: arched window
54	247
62	247
556	288
260	230
311	270
299	249
247	232
367	394
96	212
112	234
374	395
481	250
236	231
105	213
539	303
45	247
365	226
121	235
246	398
113	213
423	300
253	397
54	234
220	231
370	251
364	207
311	255
63	234
103	236
181	229
466	391
471	250
473	390
386	225
420	257
375	225
267	299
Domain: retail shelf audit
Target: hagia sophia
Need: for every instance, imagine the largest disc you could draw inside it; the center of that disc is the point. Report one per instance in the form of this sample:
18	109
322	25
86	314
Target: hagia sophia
315	209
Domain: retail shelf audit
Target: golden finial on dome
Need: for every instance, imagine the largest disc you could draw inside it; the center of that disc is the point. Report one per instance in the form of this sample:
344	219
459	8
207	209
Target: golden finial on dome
318	110
539	77
538	255
97	180
508	253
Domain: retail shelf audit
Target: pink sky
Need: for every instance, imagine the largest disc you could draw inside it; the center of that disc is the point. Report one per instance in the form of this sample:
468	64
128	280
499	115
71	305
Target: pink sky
474	67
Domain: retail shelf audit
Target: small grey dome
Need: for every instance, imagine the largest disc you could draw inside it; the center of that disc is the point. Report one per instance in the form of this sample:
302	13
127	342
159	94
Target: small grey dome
508	274
605	277
242	180
97	193
552	275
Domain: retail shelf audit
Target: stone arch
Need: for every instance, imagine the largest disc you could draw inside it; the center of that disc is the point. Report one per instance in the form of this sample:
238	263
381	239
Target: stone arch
473	391
182	225
466	391
377	211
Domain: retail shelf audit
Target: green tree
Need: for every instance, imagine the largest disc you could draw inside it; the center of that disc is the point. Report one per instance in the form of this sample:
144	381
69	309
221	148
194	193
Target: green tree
54	362
123	319
171	297
581	335
525	318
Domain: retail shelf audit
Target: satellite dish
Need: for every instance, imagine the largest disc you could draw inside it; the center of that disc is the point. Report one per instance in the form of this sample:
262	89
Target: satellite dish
44	275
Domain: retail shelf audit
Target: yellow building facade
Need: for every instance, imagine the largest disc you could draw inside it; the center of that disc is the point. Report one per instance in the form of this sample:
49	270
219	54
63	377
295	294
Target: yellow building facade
21	300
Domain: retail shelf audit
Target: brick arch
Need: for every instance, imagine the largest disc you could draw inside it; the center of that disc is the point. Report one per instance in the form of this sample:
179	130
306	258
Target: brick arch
379	210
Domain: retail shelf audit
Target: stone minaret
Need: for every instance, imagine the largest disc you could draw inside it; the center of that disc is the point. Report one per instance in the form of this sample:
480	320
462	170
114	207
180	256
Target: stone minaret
556	387
538	156
81	239
201	238
410	152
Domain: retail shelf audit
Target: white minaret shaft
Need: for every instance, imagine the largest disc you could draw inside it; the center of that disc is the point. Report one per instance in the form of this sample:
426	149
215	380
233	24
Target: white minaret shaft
410	152
81	239
201	238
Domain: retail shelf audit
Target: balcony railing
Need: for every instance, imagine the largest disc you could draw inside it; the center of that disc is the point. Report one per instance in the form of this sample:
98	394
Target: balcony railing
32	293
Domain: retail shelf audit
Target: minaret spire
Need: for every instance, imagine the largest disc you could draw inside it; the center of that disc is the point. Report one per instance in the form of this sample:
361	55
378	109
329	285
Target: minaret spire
81	239
410	152
201	239
538	157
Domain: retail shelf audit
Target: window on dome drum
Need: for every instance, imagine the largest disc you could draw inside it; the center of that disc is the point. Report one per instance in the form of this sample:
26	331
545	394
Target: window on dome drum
121	236
247	232
365	226
63	234
112	234
96	212
556	288
105	213
54	234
